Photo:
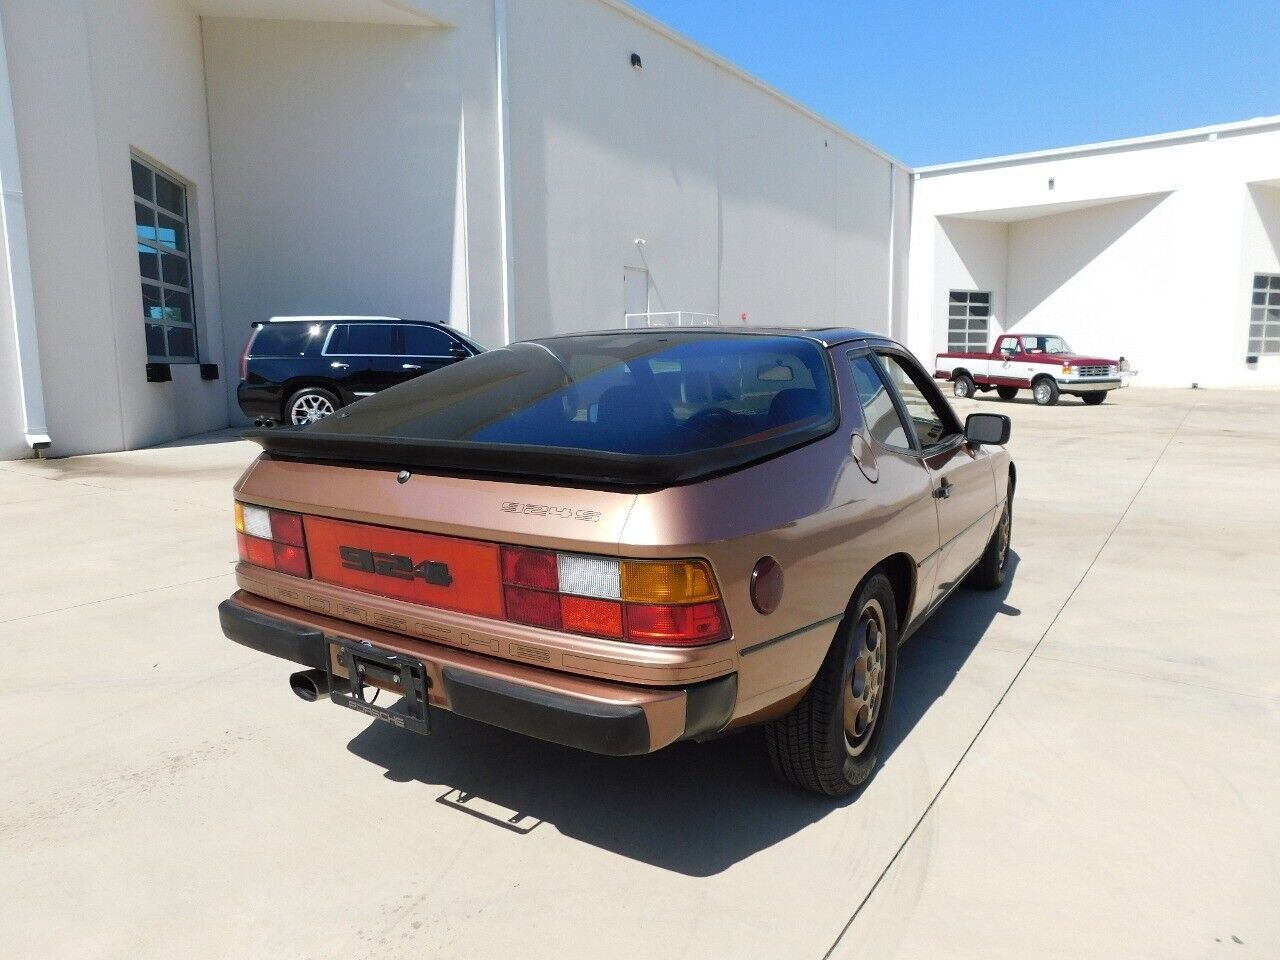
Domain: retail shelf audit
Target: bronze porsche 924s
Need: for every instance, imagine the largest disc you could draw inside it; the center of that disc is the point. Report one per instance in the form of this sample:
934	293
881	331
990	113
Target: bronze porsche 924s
620	540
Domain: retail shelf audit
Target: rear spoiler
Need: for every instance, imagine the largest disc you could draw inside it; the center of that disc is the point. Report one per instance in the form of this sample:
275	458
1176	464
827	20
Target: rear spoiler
573	467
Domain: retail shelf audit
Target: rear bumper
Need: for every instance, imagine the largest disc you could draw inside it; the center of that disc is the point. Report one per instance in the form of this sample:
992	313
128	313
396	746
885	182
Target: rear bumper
258	400
1089	386
593	715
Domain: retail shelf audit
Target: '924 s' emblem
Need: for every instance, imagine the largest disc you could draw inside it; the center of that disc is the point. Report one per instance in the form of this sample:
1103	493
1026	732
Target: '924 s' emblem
395	565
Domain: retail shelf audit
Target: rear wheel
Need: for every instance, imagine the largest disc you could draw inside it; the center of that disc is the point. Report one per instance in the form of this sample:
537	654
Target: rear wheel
1093	399
962	385
829	743
1007	393
1045	392
309	405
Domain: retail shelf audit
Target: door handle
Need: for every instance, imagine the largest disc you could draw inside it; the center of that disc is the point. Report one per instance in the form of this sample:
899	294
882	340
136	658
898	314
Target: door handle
410	366
943	491
338	365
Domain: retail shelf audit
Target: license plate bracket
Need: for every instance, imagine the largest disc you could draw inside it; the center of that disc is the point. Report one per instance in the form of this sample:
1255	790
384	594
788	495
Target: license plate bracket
364	664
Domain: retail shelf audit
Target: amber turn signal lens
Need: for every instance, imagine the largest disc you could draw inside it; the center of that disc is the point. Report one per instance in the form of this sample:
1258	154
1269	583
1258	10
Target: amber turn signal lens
668	581
239	517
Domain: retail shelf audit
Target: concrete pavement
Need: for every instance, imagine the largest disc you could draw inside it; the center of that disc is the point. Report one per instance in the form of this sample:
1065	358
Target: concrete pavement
1084	764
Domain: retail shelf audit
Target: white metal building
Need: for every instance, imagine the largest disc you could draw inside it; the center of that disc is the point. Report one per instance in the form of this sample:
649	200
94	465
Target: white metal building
174	170
1164	250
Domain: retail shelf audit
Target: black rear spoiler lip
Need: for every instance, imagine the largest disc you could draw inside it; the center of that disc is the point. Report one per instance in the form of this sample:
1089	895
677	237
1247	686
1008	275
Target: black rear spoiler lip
524	463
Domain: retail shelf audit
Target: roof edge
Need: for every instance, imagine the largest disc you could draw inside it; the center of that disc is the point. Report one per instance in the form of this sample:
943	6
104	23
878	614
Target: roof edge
1130	143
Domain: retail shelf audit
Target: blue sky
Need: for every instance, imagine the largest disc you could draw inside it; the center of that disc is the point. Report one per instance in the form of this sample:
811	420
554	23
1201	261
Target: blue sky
937	82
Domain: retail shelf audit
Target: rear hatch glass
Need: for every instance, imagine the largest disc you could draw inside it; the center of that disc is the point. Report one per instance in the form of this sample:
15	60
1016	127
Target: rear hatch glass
628	409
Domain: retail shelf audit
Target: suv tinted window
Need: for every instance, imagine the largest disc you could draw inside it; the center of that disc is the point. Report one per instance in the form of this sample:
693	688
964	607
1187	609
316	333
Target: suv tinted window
419	341
287	339
648	394
362	339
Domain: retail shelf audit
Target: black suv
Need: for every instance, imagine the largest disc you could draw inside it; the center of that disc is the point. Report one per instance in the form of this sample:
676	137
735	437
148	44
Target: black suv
297	370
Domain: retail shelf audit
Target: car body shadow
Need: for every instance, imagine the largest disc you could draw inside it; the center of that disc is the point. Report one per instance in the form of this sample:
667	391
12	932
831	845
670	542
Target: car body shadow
693	808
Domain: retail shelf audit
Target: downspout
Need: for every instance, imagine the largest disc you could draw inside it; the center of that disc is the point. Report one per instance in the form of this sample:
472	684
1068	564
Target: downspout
504	164
893	243
22	301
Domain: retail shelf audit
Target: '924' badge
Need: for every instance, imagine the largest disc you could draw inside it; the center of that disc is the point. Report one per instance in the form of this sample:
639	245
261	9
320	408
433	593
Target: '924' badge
395	565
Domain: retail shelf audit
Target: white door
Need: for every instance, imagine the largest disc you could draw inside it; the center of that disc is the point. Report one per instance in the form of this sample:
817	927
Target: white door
635	291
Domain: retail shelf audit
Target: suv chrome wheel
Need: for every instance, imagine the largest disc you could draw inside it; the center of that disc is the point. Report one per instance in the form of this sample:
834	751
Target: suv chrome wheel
864	685
308	408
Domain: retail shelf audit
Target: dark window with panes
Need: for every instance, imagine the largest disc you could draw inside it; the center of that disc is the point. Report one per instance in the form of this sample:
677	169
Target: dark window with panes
164	265
1264	314
424	341
968	321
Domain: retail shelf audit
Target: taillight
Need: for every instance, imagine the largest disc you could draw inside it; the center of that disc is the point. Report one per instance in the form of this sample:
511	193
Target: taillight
244	357
272	539
663	602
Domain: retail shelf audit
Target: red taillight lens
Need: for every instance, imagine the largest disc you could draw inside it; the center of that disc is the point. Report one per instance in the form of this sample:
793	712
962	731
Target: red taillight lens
602	618
533	607
244	357
287	528
676	626
261	553
660	602
535	569
291	560
272	539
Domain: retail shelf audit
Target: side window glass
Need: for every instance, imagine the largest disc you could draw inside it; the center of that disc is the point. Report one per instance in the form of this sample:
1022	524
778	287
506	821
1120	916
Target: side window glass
337	343
878	408
424	341
928	422
369	339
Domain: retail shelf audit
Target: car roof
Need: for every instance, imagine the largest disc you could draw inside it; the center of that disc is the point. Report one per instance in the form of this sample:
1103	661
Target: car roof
349	319
827	336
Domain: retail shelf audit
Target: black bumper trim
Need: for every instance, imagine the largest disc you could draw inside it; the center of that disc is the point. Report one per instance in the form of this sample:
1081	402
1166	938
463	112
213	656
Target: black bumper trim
289	641
708	706
598	727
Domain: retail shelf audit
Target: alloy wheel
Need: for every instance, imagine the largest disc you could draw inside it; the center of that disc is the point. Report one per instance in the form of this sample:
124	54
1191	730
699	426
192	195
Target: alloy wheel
309	408
864	685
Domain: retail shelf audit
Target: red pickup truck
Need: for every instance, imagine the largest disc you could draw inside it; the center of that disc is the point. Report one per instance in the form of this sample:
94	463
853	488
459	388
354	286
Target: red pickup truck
1042	363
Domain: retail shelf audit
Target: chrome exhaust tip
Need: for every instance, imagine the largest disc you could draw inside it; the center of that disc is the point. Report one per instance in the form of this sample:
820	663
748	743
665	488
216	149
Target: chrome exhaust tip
310	685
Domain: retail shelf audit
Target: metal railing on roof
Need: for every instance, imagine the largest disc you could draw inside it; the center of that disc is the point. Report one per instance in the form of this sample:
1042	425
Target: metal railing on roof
672	318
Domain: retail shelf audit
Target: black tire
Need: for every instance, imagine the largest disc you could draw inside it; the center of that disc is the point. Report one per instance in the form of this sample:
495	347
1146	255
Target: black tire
310	404
962	385
1044	391
1093	399
1007	393
810	747
990	571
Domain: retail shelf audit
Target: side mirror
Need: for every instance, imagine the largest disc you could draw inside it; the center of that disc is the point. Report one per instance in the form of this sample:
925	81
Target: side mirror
459	352
982	428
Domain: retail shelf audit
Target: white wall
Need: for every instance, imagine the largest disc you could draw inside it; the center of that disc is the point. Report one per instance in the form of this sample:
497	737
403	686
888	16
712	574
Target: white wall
81	103
745	203
336	151
1145	250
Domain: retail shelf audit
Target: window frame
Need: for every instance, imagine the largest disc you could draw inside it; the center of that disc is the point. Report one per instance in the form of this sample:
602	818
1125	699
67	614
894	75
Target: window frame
968	318
192	286
1266	285
954	429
